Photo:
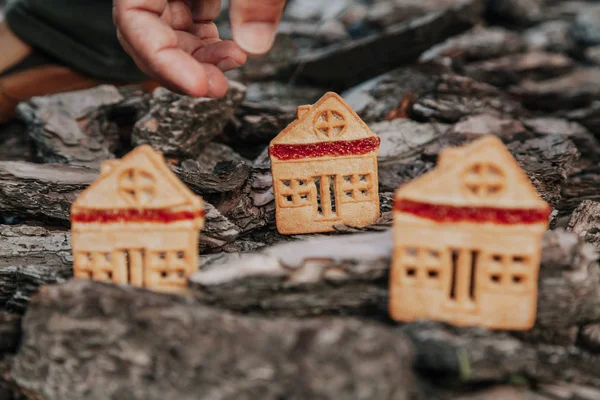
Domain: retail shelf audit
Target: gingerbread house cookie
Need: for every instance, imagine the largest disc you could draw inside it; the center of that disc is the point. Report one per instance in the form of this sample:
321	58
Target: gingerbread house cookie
467	241
324	168
137	224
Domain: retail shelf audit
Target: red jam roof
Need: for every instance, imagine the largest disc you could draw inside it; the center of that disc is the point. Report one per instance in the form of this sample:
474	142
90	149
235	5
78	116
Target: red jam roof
133	215
339	148
450	214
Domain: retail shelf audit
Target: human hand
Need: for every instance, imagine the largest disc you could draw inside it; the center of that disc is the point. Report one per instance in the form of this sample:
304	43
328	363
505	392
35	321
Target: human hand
176	42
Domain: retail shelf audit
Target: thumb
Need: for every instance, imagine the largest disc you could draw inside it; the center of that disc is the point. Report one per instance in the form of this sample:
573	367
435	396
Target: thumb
254	23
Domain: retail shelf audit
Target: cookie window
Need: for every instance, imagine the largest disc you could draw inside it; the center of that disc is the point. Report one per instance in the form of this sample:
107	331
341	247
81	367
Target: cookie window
483	180
356	187
295	192
330	124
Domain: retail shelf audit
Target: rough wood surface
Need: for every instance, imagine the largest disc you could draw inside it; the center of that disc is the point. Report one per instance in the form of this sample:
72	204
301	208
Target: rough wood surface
15	144
224	177
585	222
349	275
74	128
479	43
180	126
588	116
374	99
316	276
512	69
347	64
478	356
581	185
458	96
525	70
41	191
10	332
29	258
570	91
548	161
587	144
141	345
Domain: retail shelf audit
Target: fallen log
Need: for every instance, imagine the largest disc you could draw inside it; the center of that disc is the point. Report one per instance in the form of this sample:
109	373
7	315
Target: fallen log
29	258
349	275
585	223
78	128
322	275
41	191
181	126
344	65
141	345
570	91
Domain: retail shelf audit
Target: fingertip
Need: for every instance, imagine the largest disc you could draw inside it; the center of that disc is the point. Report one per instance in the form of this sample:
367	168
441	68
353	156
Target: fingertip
217	83
194	82
196	90
255	38
228	64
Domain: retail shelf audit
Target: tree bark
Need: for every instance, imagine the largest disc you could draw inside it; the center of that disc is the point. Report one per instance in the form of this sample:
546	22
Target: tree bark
77	128
349	275
181	126
141	345
342	66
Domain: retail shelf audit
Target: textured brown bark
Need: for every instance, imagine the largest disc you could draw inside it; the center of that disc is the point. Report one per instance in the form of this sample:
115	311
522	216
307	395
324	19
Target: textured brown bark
305	317
349	275
193	343
548	161
479	43
585	223
15	144
181	126
10	332
333	275
458	96
374	99
29	258
581	185
512	69
570	91
140	345
41	191
341	66
80	128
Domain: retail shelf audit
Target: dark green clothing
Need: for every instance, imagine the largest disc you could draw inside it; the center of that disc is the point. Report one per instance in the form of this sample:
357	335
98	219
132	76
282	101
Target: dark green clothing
78	33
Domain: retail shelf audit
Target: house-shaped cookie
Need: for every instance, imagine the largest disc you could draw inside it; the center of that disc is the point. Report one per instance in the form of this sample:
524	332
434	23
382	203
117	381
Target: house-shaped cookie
467	241
324	167
137	224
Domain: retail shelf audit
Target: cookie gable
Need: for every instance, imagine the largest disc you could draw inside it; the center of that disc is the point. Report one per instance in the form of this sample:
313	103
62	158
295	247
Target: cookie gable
138	224
467	241
324	168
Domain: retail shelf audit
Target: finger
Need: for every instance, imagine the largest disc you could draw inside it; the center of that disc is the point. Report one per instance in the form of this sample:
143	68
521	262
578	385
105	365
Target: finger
205	30
132	53
218	82
181	15
254	23
155	45
205	10
226	55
